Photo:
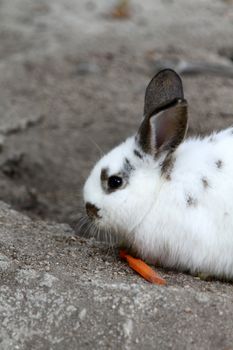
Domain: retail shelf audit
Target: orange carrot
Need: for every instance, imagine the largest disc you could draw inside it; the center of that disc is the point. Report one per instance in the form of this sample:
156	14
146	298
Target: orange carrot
142	268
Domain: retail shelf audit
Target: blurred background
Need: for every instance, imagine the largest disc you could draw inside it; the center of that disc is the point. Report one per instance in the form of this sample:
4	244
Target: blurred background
72	80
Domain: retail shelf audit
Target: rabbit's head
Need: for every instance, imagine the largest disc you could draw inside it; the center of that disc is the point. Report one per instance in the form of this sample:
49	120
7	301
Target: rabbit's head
125	183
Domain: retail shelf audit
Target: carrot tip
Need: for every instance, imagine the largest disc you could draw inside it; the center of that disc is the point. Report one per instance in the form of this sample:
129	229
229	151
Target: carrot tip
142	269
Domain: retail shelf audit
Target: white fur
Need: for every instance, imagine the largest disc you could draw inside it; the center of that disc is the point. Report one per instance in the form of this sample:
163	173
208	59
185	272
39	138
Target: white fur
155	215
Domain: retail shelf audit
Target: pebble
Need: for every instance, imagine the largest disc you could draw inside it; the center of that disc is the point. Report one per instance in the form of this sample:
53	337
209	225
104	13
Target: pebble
82	314
84	68
127	328
188	310
48	280
202	298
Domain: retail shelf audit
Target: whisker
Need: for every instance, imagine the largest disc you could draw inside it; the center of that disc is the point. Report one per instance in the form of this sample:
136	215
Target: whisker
86	228
96	145
81	222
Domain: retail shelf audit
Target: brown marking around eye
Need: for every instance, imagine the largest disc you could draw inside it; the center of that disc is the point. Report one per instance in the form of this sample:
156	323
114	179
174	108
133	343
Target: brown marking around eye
104	174
219	163
191	202
104	179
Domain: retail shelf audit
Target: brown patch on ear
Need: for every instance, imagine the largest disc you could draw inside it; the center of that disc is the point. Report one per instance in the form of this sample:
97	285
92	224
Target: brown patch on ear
144	136
167	166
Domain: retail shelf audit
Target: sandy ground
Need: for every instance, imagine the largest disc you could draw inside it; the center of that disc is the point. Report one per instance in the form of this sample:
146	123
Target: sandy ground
72	80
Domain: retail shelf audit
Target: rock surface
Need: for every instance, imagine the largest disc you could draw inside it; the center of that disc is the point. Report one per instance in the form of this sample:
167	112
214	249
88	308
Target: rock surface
60	291
70	76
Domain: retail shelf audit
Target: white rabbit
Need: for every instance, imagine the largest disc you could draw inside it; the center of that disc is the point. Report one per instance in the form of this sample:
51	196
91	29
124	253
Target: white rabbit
171	200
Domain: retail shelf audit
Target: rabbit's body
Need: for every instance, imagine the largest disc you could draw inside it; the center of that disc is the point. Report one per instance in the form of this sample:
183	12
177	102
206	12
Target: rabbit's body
190	223
171	201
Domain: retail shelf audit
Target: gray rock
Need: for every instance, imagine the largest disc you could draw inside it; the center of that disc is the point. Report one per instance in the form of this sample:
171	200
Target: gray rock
82	303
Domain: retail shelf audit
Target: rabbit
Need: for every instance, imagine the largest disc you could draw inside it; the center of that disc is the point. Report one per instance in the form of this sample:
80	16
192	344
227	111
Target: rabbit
169	198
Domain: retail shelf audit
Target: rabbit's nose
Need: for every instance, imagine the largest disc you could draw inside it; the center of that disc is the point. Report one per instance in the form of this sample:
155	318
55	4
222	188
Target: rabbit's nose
92	210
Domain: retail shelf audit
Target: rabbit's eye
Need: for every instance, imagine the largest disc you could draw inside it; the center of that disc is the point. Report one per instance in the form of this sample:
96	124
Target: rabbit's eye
114	182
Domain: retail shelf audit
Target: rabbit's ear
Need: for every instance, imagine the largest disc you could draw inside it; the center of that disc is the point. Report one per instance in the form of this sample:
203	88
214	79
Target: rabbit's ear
165	87
166	116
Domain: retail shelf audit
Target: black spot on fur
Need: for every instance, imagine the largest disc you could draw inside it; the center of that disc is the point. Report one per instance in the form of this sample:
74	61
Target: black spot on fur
138	154
191	202
212	138
219	163
128	167
205	182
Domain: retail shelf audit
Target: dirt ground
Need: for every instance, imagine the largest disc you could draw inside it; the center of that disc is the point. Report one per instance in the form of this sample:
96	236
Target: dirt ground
72	82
